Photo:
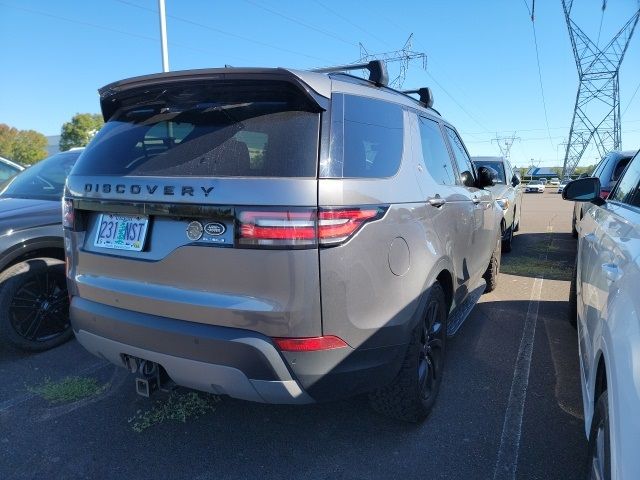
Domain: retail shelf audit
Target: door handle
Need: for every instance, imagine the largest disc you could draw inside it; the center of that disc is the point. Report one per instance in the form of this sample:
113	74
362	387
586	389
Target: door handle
437	201
476	200
612	271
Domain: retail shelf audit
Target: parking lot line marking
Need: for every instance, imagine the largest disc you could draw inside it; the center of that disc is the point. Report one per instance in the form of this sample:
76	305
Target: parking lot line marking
12	402
507	460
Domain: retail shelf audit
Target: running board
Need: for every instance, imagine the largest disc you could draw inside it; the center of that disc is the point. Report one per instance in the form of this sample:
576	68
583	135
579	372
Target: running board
462	311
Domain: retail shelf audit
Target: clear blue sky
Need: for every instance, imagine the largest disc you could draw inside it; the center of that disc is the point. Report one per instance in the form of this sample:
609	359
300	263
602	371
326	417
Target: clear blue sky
481	56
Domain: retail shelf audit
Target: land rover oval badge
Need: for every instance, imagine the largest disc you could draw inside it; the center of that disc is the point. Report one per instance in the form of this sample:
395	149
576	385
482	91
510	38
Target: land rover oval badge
194	231
215	228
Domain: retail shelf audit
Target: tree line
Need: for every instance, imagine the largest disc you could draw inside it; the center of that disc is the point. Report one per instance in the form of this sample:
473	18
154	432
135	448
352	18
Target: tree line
28	146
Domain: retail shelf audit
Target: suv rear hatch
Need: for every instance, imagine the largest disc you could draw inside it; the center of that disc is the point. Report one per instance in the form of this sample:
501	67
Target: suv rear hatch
198	201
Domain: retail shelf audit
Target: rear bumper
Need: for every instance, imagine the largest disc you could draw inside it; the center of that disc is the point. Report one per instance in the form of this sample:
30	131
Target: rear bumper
228	361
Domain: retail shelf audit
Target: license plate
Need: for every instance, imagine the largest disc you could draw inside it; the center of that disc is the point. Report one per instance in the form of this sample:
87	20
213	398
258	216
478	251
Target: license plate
122	232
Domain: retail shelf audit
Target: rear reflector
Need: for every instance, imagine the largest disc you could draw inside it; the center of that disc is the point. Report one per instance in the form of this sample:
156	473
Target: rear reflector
310	344
302	227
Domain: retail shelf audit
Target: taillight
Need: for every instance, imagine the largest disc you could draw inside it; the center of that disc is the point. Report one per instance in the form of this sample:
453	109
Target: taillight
302	227
277	228
309	344
337	225
604	193
68	214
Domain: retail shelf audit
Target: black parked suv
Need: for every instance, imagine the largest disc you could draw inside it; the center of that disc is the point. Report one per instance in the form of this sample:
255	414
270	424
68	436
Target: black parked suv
34	306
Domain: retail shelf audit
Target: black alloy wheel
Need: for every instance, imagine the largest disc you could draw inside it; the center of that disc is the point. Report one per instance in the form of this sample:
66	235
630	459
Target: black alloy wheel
430	354
34	304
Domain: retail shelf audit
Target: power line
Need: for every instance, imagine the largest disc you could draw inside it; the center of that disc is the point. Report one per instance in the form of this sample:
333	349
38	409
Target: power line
224	32
535	42
107	28
301	23
629	104
457	103
354	25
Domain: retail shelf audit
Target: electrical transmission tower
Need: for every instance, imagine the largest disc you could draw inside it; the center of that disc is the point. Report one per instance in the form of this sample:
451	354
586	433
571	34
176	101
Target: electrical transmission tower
404	56
596	116
505	144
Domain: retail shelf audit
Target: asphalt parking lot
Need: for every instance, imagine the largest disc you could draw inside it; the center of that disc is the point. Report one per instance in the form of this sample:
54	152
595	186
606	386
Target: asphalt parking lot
509	406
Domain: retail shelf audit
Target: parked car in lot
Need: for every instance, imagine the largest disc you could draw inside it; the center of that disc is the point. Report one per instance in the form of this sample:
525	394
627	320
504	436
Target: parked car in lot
201	238
535	186
607	171
606	307
508	194
562	185
8	169
554	182
544	181
34	311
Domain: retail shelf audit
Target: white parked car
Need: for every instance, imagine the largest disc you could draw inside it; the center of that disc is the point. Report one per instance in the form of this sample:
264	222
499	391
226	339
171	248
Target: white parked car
535	186
554	182
606	307
562	185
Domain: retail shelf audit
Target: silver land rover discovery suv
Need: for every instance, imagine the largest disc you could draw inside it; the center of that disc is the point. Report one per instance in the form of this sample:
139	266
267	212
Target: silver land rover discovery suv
278	236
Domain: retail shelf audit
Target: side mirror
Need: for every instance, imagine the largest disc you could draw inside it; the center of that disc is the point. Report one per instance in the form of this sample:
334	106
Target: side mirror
583	190
515	181
486	177
467	179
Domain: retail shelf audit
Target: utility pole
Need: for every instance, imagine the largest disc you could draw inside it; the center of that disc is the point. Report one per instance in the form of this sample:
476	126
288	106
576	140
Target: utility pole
404	56
505	144
596	116
163	36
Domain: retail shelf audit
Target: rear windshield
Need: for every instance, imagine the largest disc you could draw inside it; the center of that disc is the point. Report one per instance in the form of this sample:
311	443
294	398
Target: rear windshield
497	166
245	129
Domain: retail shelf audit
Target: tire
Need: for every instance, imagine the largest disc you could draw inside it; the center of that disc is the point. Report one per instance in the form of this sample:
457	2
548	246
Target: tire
506	244
411	396
573	300
491	274
34	305
574	232
599	458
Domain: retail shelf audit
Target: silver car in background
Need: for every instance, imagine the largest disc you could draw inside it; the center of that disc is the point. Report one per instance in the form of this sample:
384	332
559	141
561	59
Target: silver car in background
606	308
278	236
508	194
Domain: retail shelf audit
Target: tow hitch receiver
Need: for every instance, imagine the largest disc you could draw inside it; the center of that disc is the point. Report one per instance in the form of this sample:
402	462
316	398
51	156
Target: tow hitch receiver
151	376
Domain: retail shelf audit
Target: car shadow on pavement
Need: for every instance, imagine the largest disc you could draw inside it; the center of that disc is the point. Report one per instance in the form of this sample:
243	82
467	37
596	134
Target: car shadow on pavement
550	255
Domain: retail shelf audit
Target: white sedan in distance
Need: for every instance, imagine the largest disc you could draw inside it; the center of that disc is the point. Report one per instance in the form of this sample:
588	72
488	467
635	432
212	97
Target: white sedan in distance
535	186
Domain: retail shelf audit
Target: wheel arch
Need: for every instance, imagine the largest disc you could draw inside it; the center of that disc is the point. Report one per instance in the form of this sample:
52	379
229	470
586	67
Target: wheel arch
51	247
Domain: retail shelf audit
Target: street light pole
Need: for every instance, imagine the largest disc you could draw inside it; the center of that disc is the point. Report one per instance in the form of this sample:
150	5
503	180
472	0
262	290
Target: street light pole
163	36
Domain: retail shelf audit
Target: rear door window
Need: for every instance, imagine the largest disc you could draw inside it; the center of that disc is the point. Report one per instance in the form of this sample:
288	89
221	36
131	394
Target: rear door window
366	138
246	130
434	152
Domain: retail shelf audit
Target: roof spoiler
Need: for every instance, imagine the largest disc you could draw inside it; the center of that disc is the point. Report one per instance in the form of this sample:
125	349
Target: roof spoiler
426	96
377	71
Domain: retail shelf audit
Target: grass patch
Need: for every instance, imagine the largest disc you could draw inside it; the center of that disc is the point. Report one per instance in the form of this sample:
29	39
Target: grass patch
69	389
552	269
178	407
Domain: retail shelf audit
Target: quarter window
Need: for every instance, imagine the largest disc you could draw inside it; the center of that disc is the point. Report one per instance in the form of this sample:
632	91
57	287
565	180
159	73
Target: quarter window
460	154
366	138
434	152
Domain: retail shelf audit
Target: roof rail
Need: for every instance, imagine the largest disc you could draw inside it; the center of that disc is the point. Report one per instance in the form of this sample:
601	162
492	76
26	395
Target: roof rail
426	96
377	71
